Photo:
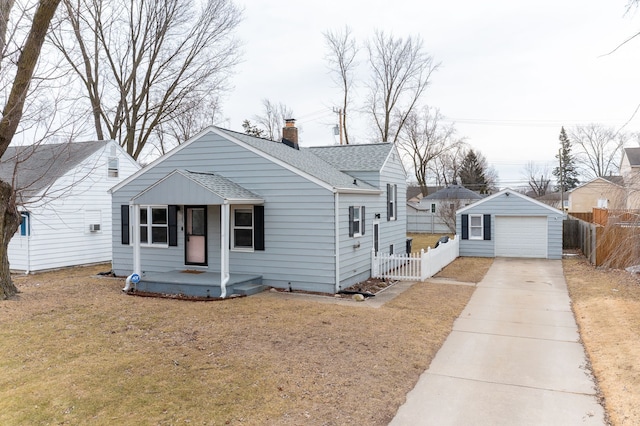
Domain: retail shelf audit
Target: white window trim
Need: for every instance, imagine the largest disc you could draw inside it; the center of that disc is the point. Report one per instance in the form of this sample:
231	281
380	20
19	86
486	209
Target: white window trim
148	225
110	169
233	228
359	220
481	227
433	208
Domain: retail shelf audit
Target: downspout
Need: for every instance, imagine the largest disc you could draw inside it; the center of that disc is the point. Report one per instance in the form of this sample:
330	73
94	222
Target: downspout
28	227
337	237
224	251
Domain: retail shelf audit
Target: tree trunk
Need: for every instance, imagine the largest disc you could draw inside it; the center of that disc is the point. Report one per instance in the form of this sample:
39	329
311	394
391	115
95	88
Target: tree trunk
9	223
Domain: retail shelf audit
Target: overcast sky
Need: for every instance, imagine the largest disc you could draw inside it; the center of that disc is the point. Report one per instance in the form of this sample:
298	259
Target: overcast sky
512	72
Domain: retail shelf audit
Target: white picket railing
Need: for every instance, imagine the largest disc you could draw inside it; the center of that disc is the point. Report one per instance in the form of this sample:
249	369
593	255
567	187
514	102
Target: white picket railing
414	266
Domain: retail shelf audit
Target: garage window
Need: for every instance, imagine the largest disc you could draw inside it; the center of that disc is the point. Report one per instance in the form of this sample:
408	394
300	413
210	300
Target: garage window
476	226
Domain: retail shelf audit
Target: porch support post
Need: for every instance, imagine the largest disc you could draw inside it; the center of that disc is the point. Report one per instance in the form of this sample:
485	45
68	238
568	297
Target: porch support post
224	251
137	268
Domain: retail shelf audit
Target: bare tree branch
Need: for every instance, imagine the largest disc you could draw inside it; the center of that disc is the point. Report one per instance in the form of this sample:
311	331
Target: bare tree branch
401	71
145	64
342	59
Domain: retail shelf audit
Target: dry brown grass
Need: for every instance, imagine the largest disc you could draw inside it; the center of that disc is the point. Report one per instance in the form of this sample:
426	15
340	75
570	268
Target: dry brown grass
607	308
424	241
75	350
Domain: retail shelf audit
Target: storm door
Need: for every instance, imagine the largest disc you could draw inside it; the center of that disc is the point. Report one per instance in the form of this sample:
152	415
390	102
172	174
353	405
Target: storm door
195	235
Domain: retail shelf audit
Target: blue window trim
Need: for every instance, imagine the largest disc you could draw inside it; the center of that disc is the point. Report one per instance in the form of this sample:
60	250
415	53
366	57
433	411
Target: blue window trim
25	225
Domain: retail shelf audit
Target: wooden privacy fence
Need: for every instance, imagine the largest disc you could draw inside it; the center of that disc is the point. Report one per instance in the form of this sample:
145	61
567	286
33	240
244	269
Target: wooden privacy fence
414	266
614	246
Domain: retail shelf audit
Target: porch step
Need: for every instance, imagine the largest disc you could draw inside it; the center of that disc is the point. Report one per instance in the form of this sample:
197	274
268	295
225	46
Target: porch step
247	289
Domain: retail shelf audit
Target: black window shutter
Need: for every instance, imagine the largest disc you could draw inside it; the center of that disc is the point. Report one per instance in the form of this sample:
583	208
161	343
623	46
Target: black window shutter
124	224
487	226
258	228
362	224
173	225
465	226
388	201
351	221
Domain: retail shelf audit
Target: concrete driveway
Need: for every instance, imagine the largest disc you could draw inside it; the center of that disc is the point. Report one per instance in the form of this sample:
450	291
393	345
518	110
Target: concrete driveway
513	357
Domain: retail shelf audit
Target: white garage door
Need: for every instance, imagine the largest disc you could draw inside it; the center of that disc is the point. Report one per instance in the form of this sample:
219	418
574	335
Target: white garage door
521	236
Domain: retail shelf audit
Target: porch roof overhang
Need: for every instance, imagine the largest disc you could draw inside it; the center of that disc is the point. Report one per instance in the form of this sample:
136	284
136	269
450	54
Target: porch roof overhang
184	187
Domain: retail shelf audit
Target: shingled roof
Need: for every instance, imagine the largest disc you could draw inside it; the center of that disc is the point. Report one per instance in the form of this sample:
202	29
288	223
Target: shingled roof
454	192
33	168
354	158
319	166
633	155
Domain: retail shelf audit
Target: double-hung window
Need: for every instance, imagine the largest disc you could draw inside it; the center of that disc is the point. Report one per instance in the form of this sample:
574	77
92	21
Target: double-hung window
475	227
356	221
392	201
113	167
154	225
242	226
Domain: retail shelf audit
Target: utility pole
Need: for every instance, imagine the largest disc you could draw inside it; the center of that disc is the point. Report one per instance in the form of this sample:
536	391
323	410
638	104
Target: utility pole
340	121
561	182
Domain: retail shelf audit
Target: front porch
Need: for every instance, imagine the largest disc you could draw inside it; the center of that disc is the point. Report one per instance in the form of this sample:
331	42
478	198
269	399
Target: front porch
195	283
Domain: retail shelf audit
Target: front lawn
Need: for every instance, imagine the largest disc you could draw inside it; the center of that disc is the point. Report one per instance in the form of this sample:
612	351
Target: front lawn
75	350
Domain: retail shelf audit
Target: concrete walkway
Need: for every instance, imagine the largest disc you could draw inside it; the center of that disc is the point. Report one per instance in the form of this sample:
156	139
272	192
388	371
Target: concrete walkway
513	357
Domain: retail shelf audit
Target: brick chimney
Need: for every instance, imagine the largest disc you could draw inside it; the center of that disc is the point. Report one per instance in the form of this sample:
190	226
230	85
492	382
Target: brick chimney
290	133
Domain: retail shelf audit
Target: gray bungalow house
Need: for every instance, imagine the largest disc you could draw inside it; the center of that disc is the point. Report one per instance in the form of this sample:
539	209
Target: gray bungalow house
226	210
510	224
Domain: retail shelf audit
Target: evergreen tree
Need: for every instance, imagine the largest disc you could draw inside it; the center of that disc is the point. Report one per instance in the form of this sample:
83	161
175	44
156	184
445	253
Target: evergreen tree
566	172
473	173
252	129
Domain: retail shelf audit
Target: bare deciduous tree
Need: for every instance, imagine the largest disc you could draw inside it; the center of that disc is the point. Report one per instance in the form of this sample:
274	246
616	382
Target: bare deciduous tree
401	70
424	139
598	149
538	178
144	64
18	88
342	59
446	167
272	119
446	212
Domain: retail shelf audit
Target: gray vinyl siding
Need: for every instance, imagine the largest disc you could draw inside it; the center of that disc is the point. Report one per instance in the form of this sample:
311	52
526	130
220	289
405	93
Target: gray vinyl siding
510	206
394	231
370	177
299	218
355	252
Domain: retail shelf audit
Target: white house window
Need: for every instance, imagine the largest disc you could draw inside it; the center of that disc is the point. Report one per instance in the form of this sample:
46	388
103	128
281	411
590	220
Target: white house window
433	207
242	228
475	227
154	226
113	166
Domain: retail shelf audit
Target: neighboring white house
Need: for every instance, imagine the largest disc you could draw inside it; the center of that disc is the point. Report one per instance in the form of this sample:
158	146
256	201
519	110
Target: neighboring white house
63	196
435	213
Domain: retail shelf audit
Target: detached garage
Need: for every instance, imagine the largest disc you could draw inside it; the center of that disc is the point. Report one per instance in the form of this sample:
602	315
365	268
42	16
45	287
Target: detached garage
510	224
